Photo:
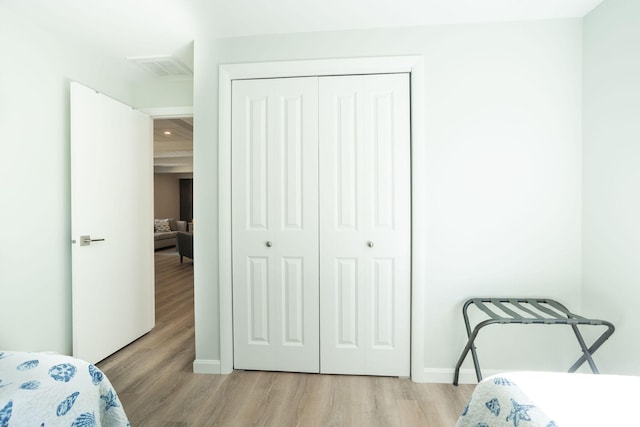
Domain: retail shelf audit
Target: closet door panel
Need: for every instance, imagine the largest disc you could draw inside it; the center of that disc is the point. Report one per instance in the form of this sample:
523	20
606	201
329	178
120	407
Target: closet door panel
346	170
293	300
365	166
258	299
346	301
292	161
383	167
275	224
257	162
383	303
387	129
341	269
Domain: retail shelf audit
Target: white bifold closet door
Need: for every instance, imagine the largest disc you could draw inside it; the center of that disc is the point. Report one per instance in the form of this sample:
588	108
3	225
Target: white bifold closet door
275	224
365	224
321	224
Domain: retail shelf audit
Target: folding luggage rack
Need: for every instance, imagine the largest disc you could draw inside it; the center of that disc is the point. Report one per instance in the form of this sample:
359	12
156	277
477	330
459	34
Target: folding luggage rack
529	311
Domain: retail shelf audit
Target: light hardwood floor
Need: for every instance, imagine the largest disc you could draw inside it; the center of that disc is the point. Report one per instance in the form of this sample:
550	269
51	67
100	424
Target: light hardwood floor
154	380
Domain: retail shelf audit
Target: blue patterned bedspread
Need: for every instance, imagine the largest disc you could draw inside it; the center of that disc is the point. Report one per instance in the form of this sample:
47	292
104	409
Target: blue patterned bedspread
551	399
498	402
46	390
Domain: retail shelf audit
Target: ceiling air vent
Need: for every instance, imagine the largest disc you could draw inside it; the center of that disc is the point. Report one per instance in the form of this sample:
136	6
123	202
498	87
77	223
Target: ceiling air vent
163	66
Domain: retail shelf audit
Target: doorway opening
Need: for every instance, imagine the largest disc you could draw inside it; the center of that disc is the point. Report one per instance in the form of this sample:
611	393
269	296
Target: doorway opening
173	335
173	204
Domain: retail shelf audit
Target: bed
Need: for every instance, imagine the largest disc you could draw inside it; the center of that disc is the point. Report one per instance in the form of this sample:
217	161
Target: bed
545	399
43	389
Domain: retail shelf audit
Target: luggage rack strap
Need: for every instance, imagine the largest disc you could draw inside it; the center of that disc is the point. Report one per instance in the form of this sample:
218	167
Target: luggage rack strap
539	310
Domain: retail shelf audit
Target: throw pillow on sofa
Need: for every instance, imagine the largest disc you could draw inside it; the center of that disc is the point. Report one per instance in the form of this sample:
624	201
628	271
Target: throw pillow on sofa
161	225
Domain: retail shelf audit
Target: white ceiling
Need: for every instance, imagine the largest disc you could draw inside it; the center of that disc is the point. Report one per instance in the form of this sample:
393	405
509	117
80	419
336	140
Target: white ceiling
173	145
127	28
251	17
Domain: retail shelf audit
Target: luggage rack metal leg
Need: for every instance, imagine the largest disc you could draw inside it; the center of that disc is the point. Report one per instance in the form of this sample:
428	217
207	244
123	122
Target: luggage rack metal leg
540	314
471	336
471	347
588	352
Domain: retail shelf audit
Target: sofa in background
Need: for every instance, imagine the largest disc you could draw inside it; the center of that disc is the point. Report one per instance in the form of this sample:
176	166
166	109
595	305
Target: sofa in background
165	230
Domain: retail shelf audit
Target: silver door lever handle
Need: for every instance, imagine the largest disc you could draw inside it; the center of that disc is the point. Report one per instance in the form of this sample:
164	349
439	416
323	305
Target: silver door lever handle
86	240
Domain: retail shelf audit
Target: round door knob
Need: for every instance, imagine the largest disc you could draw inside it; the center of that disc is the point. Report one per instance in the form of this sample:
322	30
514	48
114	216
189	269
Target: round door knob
370	244
269	244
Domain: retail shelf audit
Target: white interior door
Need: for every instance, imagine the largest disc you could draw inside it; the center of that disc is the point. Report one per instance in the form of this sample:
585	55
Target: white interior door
275	224
111	202
365	224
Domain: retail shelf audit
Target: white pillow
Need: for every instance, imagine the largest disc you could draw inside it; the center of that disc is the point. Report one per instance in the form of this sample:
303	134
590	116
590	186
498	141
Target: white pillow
161	225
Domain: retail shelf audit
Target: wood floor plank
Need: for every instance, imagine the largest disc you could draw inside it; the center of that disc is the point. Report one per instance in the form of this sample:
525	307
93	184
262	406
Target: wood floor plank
157	387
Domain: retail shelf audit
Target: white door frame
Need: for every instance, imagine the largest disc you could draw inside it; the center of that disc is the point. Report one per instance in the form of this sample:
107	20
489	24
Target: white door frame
325	67
168	112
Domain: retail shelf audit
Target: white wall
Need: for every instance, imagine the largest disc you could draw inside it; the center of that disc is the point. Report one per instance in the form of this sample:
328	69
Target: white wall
503	124
165	92
35	254
611	133
166	196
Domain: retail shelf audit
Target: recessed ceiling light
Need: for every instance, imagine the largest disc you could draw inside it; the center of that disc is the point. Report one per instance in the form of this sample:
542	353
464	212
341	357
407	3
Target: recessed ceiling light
167	132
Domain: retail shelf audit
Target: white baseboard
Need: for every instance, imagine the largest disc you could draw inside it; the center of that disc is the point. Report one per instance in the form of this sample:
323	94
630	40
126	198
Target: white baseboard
429	375
204	366
445	376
